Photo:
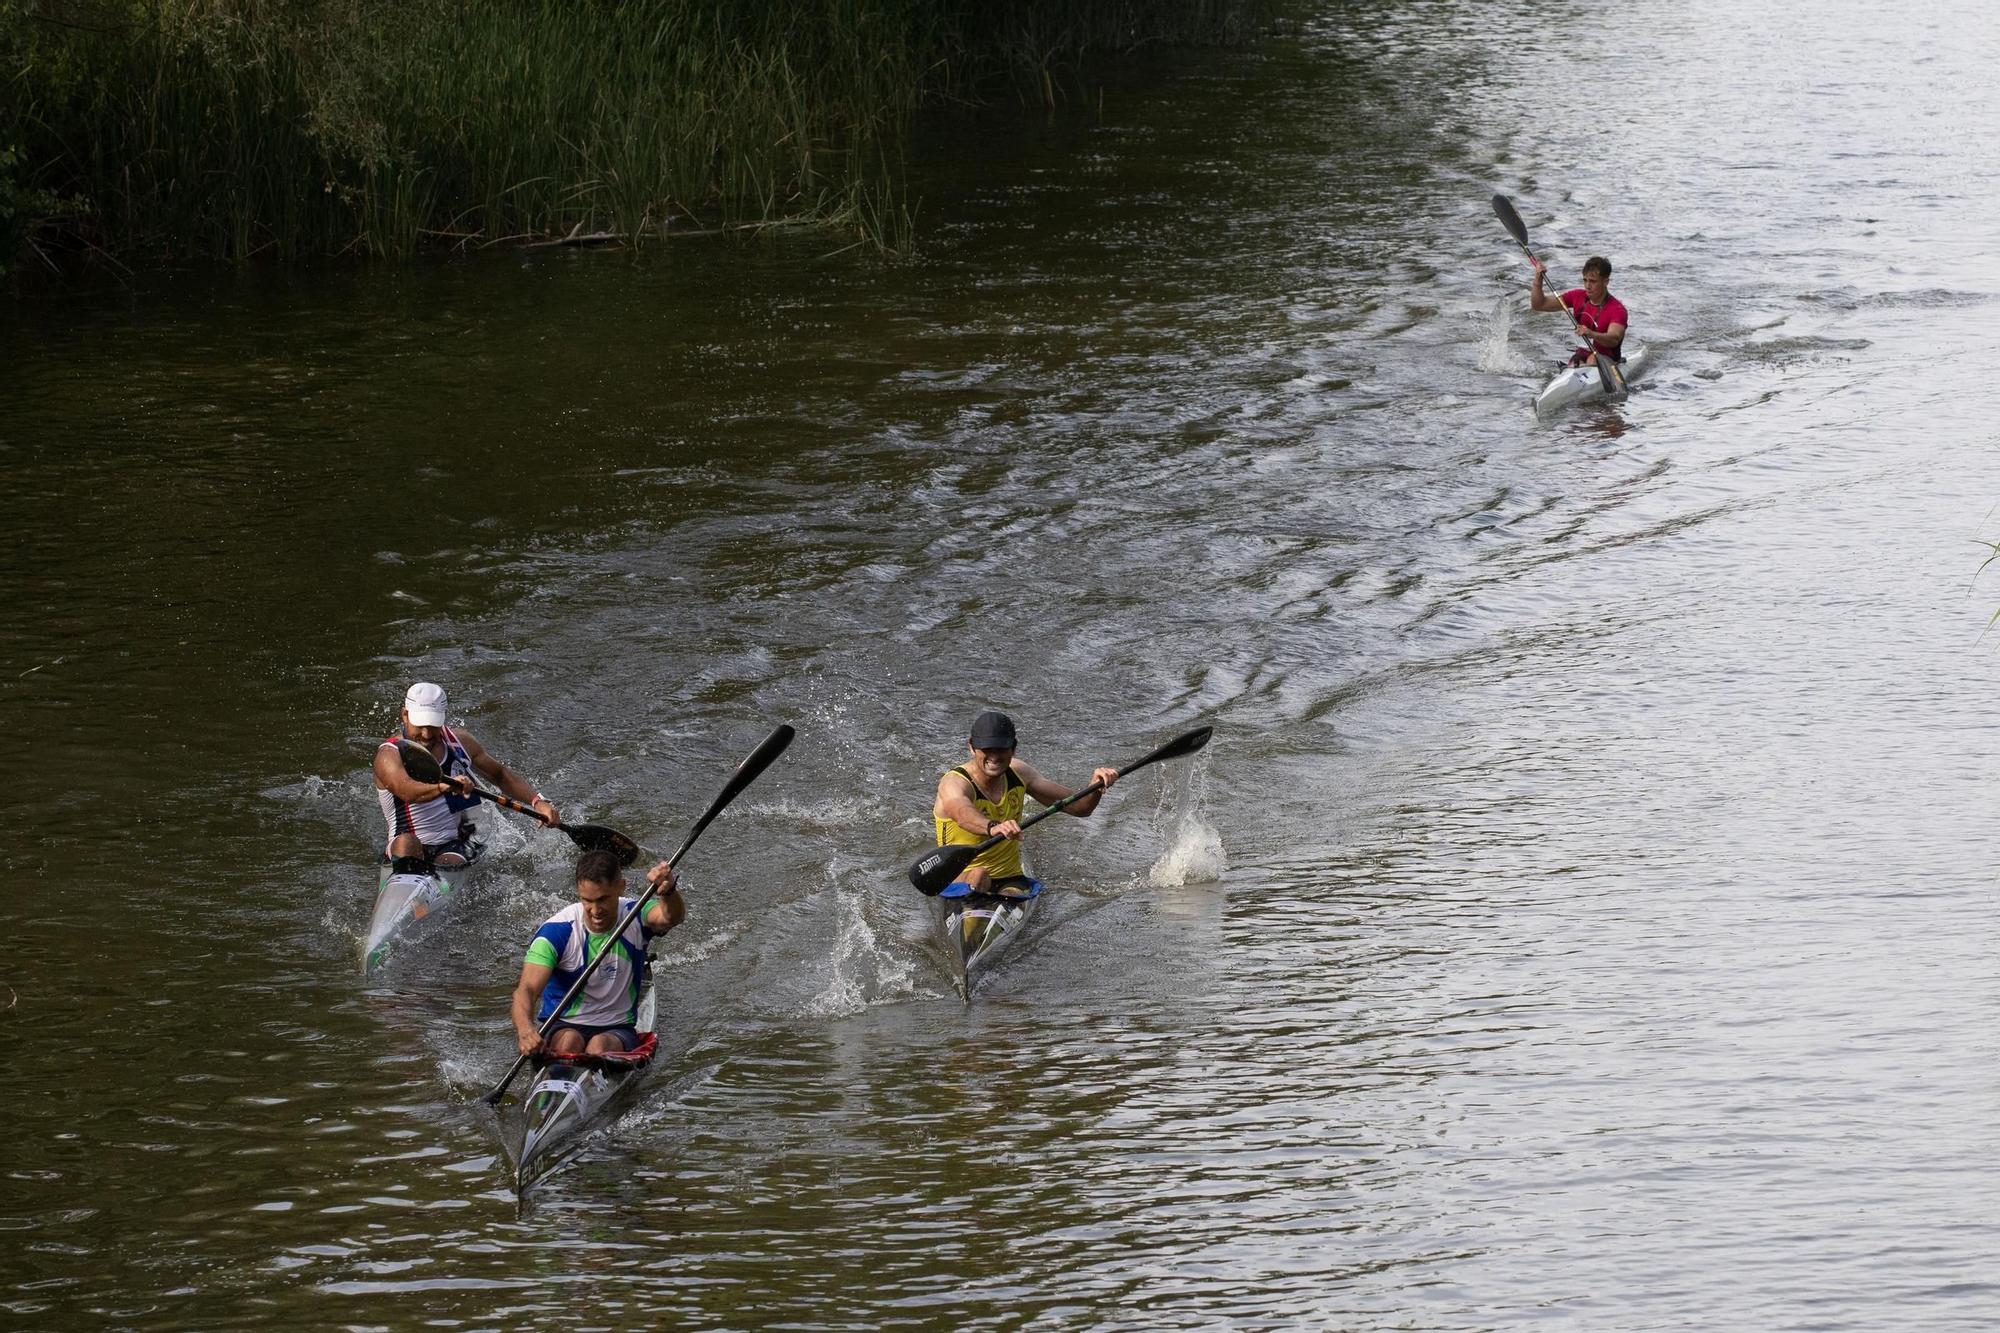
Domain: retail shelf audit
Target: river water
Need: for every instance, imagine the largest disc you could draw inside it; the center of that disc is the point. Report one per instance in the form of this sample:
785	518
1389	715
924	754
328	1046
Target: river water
1584	916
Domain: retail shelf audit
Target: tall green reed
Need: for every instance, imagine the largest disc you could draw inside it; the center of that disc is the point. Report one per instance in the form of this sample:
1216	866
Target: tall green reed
177	129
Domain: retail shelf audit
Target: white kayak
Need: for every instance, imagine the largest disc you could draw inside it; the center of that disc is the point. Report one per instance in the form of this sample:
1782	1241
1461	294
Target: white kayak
1583	384
409	897
977	926
576	1094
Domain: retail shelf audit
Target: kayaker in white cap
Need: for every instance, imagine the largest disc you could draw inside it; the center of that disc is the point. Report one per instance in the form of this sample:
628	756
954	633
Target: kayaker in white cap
984	796
427	820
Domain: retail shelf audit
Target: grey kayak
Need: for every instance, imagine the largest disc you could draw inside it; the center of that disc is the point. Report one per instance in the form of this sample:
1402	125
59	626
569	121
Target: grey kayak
1582	384
407	904
575	1095
978	926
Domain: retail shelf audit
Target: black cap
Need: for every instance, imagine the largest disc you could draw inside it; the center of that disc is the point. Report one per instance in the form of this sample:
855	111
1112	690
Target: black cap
993	731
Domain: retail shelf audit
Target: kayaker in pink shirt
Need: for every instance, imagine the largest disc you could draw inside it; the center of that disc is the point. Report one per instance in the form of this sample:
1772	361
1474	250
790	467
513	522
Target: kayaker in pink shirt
1599	316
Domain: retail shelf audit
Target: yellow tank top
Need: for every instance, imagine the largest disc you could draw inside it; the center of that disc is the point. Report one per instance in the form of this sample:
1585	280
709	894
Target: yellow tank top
1004	861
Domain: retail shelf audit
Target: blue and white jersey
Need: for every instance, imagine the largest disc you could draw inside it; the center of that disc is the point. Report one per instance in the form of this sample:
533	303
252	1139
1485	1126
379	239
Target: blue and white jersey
612	998
434	821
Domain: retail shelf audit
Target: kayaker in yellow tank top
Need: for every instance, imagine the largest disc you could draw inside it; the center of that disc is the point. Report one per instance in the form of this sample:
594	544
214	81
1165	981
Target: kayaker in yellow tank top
984	796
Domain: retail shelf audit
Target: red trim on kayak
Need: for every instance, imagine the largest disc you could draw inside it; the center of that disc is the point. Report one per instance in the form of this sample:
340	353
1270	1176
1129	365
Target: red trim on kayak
638	1055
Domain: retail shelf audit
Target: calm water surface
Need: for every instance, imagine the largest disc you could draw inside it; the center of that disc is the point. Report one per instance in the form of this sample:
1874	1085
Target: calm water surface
1583	918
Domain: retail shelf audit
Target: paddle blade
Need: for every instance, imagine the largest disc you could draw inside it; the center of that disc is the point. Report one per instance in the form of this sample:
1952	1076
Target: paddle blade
1173	749
1511	220
419	763
746	773
758	760
597	838
499	1090
937	868
1184	745
753	764
1614	377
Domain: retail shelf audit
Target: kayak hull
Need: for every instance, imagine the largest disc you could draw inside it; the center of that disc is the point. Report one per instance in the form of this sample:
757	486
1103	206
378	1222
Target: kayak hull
978	928
571	1098
1583	384
408	905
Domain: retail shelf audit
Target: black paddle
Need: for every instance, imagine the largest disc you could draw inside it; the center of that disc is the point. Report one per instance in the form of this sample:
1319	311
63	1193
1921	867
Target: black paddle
939	867
746	773
422	765
1611	375
1608	373
1503	208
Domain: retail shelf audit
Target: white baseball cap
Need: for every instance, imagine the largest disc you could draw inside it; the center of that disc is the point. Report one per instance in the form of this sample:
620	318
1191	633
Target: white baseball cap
425	704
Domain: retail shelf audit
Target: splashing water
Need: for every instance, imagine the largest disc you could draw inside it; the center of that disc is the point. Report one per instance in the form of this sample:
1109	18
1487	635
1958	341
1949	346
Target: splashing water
1496	356
1194	857
863	970
1194	847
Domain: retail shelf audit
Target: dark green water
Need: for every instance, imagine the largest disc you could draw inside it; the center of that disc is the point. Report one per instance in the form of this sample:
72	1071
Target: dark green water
1583	914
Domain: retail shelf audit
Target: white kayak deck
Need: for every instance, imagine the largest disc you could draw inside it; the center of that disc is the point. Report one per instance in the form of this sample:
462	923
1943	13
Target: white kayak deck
1583	384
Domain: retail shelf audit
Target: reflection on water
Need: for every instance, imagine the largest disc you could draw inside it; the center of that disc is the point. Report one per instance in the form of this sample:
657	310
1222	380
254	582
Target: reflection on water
1582	912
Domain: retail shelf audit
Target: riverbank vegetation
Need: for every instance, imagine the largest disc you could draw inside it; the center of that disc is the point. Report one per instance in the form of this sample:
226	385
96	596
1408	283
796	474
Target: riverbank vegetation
147	131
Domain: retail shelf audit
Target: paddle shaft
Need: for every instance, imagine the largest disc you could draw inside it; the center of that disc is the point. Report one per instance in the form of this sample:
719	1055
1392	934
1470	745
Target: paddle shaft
955	859
746	772
1562	308
479	793
1511	220
422	765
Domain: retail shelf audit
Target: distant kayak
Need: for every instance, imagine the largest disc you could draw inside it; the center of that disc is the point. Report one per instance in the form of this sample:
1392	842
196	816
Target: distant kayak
407	902
1583	384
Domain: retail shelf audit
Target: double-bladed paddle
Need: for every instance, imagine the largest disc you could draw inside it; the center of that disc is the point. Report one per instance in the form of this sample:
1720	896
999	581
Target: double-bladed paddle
938	868
1608	373
422	765
746	773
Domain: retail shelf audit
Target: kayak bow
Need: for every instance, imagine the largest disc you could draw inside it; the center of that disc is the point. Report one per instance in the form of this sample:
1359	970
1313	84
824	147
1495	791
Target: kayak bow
977	926
1582	384
575	1094
410	896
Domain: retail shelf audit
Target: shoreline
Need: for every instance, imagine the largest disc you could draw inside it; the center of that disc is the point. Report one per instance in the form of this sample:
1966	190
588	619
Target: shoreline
235	133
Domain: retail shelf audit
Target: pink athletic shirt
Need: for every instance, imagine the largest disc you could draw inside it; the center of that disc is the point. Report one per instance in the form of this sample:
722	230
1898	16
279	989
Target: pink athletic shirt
1597	318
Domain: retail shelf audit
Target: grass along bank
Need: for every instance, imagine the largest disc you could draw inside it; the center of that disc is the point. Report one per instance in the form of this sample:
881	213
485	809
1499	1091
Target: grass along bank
164	131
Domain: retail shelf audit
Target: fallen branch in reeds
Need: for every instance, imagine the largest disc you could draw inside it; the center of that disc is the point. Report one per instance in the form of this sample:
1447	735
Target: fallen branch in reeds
308	130
577	237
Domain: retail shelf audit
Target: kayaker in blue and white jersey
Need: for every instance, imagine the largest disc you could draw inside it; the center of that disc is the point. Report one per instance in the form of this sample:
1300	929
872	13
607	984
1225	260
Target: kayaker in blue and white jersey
427	820
1600	317
985	795
601	1019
